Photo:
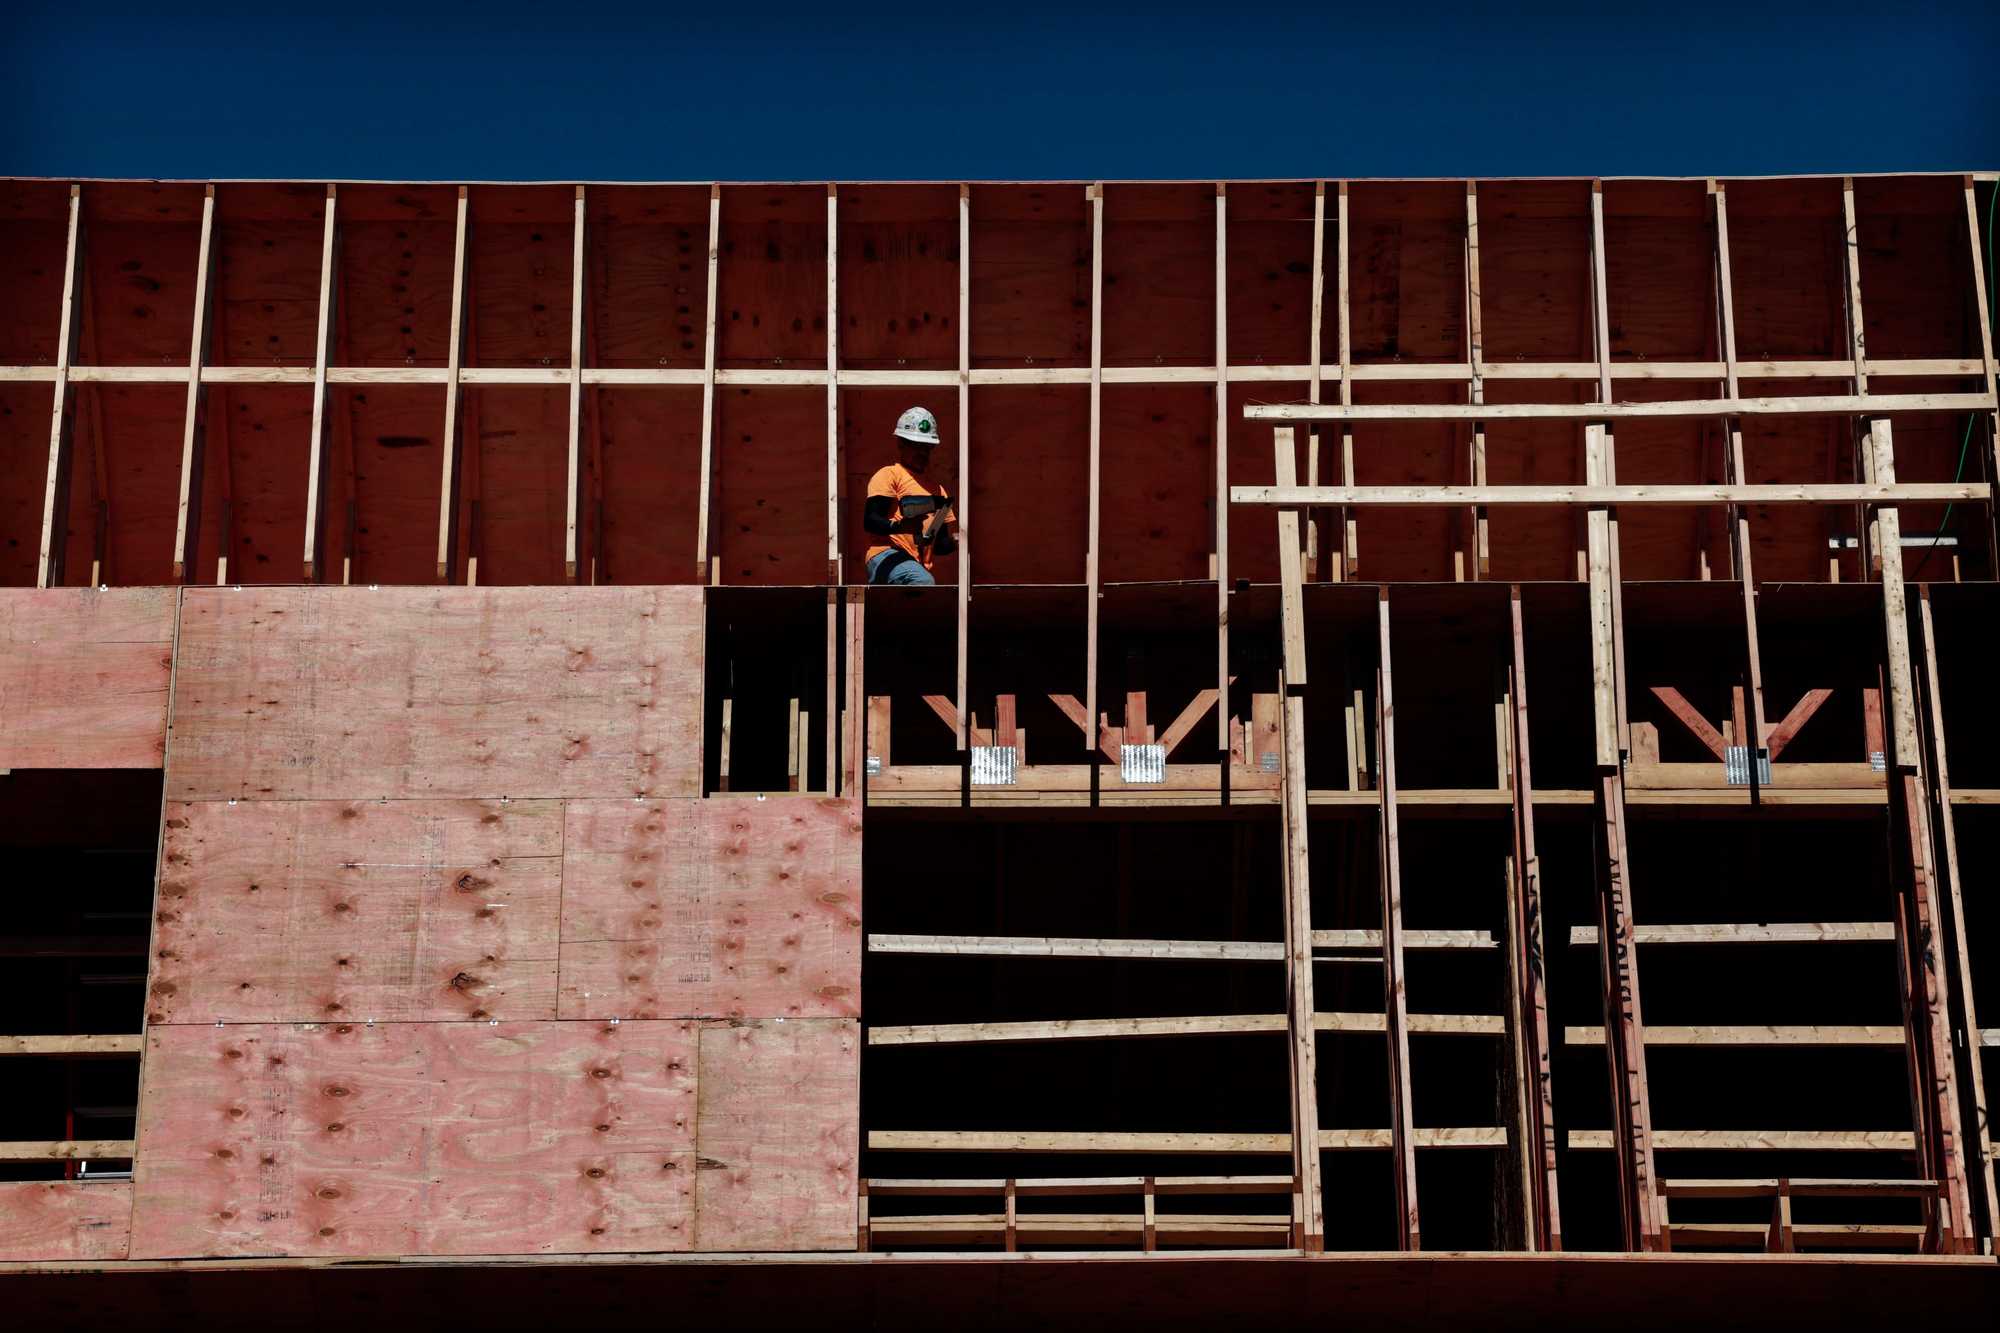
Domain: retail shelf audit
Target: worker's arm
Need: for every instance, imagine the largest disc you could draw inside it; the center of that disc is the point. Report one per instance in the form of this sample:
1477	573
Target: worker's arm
879	516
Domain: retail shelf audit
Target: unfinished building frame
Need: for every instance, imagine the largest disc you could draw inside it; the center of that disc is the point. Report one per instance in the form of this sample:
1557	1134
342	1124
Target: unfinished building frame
461	586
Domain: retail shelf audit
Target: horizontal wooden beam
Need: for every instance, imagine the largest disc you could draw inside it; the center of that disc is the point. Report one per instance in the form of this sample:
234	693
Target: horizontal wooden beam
1065	1186
1816	1235
1809	1188
1715	1035
1458	497
1412	939
1199	1229
64	1150
1775	932
1042	1141
1755	1140
1832	405
122	1043
1022	946
1061	1029
1066	1029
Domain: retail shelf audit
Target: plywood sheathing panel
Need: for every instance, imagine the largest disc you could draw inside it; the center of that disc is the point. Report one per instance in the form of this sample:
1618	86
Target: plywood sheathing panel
416	1138
366	694
66	1221
516	518
396	244
711	909
899	278
868	442
1415	544
779	1135
24	459
648	282
332	911
771	490
137	304
83	677
133	443
267	433
771	282
1031	481
1030	277
1159	275
1157	513
652	458
1406	269
390	482
1252	555
268	240
33	238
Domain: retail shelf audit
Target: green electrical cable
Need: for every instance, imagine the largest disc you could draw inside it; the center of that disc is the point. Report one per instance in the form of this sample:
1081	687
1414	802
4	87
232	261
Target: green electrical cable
1965	442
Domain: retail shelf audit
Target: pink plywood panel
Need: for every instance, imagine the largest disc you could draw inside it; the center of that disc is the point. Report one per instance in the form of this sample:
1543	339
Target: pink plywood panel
83	676
367	693
416	1138
323	911
65	1220
719	908
779	1135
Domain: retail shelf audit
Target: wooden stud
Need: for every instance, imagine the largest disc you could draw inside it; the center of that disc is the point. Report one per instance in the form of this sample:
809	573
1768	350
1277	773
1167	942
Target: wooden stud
62	421
577	289
964	504
835	574
1222	461
187	527
318	457
1527	964
1395	999
707	568
1981	1144
1476	376
1981	297
1316	354
454	463
1735	473
1291	595
1090	567
1349	545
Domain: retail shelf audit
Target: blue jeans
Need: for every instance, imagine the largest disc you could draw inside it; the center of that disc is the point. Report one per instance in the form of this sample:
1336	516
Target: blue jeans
896	567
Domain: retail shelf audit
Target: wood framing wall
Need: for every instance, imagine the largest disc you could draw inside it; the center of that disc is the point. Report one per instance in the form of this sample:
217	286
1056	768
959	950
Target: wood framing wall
444	546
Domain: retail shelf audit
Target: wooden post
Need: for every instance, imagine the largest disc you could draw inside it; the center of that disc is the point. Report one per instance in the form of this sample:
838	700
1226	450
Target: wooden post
1316	353
1527	964
1395	1001
577	289
964	505
1981	296
1096	196
1222	466
1349	546
187	528
318	458
62	421
1476	389
834	573
1934	1076
1309	1207
706	567
453	400
1735	474
1981	1141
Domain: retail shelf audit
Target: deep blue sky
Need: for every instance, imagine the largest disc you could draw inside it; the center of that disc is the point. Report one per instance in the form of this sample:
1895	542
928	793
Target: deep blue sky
776	90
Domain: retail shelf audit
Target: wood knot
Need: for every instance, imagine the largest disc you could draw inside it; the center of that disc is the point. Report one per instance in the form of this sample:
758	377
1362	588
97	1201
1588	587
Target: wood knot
468	882
329	1193
465	981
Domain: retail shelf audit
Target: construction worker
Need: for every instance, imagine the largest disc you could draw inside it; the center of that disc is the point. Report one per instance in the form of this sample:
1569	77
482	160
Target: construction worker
908	520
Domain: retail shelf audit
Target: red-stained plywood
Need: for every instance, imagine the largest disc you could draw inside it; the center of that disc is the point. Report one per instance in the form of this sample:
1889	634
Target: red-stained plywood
360	693
83	673
25	411
324	911
65	1220
416	1138
720	908
779	1136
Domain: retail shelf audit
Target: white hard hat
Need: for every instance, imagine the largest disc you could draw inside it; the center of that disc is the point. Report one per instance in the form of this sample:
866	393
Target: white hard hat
917	426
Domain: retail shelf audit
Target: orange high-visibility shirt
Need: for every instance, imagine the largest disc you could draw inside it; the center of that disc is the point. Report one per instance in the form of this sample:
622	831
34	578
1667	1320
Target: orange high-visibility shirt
897	483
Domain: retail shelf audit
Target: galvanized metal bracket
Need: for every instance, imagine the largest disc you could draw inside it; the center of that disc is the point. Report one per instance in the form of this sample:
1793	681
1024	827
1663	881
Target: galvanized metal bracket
1268	761
1142	763
1878	761
1736	766
873	766
994	765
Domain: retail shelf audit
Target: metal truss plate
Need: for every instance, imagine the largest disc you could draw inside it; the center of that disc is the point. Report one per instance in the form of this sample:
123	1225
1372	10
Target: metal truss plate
993	765
1142	763
1268	761
1736	766
874	765
1878	761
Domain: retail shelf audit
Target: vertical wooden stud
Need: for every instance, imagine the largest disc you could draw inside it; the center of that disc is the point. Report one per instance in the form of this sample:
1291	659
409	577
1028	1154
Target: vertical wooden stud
187	524
453	398
320	449
62	421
